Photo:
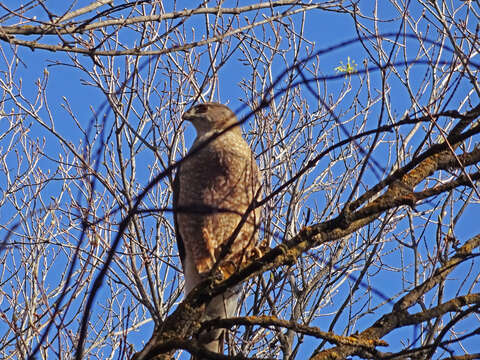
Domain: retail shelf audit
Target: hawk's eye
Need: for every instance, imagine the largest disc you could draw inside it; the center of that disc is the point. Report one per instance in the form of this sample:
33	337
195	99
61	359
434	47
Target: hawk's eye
201	109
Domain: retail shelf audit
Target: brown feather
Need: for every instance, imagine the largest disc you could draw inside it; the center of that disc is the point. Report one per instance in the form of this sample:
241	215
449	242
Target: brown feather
213	190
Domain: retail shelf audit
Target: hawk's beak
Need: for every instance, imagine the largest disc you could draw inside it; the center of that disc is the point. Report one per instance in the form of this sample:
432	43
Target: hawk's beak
189	115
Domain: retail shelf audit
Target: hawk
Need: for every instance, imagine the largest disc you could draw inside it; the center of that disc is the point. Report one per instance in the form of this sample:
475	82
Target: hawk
213	193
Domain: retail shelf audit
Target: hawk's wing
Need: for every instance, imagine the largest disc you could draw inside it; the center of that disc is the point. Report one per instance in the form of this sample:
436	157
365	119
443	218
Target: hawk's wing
176	192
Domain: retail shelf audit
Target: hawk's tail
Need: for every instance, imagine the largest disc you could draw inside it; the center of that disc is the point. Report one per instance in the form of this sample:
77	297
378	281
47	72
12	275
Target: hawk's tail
220	307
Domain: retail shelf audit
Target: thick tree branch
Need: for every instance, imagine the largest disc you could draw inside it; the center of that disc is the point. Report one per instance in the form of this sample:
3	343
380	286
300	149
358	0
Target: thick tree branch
267	321
400	316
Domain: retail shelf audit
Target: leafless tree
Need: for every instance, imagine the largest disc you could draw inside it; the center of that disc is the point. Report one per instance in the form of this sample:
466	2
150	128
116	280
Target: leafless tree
370	163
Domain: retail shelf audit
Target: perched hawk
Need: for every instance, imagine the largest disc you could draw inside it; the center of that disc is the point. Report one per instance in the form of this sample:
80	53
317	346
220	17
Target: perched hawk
211	194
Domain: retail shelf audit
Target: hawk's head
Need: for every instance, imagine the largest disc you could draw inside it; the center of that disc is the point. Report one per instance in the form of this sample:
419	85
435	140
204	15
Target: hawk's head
210	116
